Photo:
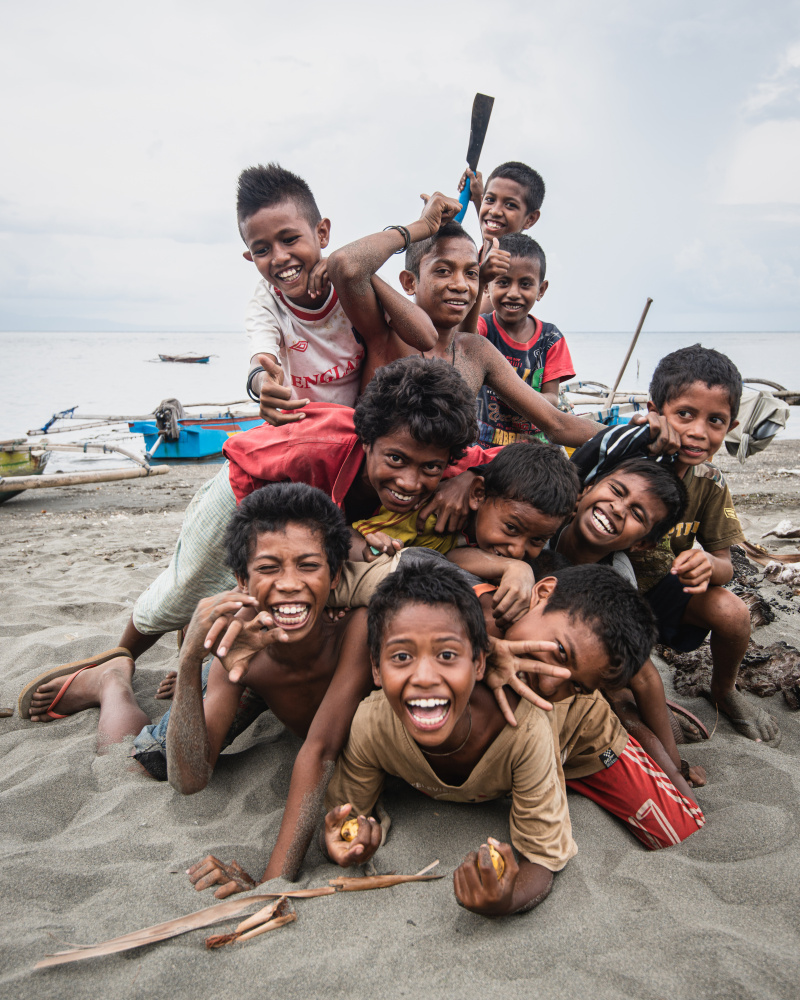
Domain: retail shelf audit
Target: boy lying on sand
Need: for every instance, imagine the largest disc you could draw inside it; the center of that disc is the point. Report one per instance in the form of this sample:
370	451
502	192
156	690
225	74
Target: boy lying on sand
597	756
436	727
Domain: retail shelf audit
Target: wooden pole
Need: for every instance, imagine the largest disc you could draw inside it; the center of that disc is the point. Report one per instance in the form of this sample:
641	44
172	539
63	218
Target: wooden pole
610	397
9	484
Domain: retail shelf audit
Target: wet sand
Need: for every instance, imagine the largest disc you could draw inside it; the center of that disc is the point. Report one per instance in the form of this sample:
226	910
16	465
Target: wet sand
93	849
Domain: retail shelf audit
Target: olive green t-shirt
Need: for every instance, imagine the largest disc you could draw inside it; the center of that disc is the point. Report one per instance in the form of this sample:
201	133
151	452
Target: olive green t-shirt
710	519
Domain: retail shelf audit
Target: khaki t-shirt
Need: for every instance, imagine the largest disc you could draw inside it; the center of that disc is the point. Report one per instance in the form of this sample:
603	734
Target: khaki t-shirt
710	518
588	734
520	762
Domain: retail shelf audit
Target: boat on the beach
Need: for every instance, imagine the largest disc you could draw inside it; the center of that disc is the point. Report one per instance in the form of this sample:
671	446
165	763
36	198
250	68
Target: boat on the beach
197	438
170	432
22	466
18	458
187	359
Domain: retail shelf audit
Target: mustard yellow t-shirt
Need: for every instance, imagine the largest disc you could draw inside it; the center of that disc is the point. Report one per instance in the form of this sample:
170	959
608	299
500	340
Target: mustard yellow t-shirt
404	527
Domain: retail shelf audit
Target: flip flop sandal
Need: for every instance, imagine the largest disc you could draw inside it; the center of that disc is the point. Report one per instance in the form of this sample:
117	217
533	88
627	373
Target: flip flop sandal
74	669
694	722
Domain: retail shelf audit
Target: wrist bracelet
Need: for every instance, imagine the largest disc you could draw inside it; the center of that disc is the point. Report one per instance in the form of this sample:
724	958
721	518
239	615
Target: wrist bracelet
406	237
250	377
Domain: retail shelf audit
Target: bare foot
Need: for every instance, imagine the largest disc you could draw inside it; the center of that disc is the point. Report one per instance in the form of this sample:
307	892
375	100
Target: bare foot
84	692
166	689
748	718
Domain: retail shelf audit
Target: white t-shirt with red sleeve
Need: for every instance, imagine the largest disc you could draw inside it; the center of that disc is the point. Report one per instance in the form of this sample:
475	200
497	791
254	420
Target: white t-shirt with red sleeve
319	349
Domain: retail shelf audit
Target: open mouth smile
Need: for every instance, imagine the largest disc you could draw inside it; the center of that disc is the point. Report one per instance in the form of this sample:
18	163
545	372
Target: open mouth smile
402	498
493	225
602	523
512	306
691	452
428	713
289	274
290	616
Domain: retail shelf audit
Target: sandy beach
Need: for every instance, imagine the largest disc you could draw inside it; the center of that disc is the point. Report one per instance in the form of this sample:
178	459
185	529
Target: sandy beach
93	849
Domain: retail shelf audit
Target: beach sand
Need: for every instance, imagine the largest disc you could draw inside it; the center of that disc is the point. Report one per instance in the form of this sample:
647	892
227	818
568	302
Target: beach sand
92	849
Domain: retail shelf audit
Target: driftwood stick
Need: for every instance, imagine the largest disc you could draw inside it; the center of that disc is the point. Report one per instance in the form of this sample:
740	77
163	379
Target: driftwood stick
172	928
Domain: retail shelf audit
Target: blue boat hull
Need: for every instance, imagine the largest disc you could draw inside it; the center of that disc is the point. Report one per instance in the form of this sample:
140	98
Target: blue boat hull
199	437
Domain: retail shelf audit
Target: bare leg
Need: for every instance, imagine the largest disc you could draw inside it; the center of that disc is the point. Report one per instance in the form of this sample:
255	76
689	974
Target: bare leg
137	642
729	620
108	687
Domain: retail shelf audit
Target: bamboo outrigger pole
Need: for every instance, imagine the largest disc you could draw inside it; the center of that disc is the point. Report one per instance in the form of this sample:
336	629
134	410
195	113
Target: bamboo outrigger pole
610	397
11	484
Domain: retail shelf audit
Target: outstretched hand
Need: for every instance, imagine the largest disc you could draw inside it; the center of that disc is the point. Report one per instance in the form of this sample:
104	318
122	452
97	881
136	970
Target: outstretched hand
230	878
274	396
210	616
506	660
438	211
243	638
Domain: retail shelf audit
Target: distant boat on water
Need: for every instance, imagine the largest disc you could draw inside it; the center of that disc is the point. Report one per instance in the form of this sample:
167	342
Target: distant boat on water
187	359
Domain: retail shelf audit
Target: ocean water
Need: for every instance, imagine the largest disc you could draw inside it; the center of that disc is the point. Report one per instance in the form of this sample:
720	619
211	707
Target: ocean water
118	373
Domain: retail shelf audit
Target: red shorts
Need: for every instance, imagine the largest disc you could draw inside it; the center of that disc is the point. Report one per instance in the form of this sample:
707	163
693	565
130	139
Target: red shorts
636	790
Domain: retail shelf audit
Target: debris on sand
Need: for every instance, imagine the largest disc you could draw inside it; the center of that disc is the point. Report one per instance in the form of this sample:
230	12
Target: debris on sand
765	670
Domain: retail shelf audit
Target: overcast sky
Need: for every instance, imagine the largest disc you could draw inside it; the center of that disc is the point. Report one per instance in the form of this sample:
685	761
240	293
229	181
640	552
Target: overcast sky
668	135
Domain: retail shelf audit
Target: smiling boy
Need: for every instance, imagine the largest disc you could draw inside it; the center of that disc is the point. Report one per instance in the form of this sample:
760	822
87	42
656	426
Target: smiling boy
442	274
598	757
697	390
517	503
536	350
307	342
434	725
510	203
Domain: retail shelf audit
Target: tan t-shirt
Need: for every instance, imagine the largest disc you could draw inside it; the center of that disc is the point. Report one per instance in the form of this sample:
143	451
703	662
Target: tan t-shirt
521	762
588	734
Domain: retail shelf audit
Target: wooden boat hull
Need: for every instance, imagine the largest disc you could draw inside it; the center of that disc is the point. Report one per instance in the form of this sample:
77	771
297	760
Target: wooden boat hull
199	437
20	462
186	359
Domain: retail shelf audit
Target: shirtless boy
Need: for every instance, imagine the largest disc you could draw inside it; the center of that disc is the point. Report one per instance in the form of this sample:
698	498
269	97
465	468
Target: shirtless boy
285	544
442	274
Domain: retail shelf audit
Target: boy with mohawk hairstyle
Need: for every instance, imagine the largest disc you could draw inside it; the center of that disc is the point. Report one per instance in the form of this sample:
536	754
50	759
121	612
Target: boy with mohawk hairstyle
697	391
304	346
536	350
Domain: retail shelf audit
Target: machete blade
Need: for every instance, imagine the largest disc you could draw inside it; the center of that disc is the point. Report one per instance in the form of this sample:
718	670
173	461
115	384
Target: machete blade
481	113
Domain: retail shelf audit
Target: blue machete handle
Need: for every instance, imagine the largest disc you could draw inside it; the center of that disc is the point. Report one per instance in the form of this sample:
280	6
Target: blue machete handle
464	199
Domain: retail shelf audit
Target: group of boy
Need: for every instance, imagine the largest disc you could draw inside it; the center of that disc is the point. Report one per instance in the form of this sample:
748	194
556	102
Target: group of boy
399	568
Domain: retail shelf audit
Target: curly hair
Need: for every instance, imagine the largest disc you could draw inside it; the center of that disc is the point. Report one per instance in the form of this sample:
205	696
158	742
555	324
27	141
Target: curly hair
273	507
426	395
